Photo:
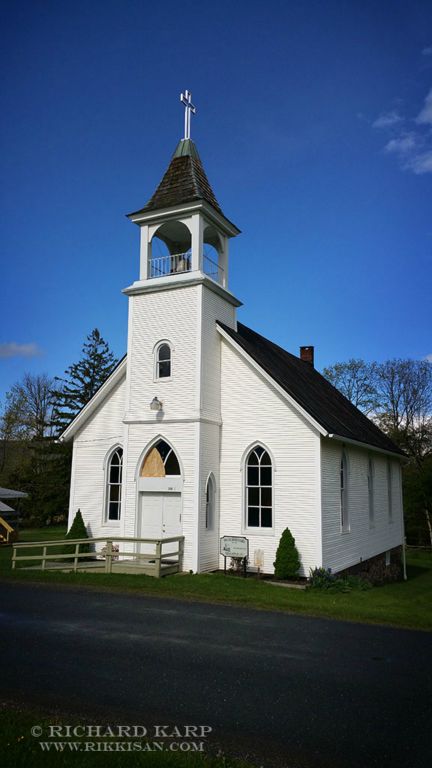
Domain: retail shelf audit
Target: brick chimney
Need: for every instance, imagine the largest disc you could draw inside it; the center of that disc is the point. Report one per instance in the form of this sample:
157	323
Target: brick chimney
307	354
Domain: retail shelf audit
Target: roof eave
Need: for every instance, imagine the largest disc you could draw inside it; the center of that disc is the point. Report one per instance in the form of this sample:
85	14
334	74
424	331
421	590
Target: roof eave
368	446
142	216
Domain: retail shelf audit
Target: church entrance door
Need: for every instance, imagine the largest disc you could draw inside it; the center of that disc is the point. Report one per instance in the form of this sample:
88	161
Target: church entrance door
159	517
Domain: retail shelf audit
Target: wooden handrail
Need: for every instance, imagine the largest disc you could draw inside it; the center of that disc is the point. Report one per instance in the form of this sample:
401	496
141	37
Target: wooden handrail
109	554
8	528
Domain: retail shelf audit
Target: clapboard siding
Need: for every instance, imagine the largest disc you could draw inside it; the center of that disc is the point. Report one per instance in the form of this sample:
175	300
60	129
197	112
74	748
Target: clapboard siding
341	550
209	538
253	412
171	315
103	430
214	307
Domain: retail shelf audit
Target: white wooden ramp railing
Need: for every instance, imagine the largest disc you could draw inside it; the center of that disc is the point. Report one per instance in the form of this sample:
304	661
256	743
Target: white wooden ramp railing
161	558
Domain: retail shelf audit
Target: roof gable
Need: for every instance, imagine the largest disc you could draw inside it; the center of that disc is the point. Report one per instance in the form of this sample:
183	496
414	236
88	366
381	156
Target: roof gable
313	393
98	398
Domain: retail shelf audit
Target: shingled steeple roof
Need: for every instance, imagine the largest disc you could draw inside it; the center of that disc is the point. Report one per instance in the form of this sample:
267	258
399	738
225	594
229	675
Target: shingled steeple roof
185	181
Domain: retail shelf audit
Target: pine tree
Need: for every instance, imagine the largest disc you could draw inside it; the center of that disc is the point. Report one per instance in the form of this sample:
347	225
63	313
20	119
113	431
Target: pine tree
82	380
77	531
287	563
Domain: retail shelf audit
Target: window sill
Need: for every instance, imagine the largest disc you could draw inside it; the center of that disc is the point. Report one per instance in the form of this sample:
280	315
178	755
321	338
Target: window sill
258	532
162	380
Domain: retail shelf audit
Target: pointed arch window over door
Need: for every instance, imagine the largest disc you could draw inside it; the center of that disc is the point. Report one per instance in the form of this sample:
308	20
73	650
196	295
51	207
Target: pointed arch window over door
160	461
259	489
114	485
163	361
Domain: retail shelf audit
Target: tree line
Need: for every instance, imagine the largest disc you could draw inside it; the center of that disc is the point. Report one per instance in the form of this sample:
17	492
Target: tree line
36	411
397	396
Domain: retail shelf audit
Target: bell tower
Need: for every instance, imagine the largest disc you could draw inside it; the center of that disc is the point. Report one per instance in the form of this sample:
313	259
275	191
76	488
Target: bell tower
173	381
184	217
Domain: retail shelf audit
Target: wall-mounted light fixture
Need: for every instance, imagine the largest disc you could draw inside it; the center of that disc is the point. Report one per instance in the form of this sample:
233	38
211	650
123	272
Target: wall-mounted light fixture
155	405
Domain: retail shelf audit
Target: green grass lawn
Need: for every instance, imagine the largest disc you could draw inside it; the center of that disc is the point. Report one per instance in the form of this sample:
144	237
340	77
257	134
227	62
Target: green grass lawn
405	604
20	748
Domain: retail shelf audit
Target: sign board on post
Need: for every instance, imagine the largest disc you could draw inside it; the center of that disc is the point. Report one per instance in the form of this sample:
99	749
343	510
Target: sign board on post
234	546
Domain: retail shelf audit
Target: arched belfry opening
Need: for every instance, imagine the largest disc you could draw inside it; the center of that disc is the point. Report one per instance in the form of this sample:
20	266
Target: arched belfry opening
170	250
160	461
212	254
183	228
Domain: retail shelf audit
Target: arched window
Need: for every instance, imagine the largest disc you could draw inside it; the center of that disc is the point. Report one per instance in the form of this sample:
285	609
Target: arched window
210	503
163	361
114	485
259	490
160	461
344	493
371	491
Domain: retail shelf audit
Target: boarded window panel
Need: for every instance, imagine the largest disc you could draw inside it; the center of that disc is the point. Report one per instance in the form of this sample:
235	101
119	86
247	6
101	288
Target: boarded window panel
153	465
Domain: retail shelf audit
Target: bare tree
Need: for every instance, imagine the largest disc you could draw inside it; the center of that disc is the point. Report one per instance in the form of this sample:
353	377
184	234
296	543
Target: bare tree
28	410
356	380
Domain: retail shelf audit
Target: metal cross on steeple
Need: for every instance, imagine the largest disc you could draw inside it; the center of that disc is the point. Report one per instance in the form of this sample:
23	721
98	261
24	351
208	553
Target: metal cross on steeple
186	99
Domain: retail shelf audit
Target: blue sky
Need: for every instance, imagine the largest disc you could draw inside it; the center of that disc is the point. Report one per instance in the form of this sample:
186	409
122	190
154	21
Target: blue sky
315	129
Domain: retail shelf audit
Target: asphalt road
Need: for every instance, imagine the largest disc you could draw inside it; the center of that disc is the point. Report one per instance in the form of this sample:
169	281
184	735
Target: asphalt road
284	690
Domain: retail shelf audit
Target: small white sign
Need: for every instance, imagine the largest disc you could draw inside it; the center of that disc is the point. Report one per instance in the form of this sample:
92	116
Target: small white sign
234	546
259	558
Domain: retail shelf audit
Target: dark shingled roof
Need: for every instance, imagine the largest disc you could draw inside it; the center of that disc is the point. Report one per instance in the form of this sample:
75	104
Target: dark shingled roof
310	390
184	182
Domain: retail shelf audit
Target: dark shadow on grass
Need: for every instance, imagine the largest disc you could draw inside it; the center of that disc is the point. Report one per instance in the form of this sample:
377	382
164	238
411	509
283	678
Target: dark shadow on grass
415	571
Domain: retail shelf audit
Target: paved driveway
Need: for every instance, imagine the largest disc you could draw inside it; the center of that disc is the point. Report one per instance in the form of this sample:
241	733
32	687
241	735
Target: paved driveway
282	689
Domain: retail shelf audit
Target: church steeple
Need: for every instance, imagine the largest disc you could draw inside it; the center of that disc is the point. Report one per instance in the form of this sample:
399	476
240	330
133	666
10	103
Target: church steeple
184	215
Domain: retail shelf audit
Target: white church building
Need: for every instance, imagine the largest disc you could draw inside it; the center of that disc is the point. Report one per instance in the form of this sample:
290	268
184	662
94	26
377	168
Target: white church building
207	429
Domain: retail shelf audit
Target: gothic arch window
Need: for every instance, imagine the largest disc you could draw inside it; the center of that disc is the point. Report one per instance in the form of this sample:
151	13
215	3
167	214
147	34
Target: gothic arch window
114	472
163	360
210	503
160	461
259	489
344	493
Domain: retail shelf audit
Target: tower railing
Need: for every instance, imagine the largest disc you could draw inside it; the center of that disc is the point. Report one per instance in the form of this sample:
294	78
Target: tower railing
175	264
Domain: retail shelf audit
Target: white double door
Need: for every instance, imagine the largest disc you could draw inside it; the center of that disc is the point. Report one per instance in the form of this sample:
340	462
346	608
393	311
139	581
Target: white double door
160	518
